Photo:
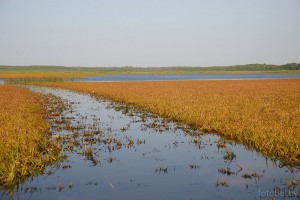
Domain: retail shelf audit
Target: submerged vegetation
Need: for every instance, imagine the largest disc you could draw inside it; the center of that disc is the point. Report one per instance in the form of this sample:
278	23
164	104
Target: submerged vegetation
101	136
262	114
25	147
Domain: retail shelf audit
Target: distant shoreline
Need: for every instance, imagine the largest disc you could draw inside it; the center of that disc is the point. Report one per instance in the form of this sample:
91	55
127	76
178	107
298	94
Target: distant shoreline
44	71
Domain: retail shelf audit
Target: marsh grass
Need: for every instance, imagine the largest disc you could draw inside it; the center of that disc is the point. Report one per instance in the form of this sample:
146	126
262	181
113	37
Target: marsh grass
262	114
25	147
30	80
43	75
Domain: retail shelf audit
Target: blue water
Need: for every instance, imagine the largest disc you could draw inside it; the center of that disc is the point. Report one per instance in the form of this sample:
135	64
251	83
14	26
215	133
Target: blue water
143	77
173	77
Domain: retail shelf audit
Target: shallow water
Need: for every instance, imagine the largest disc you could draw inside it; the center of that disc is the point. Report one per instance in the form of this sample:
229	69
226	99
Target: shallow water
153	77
143	77
155	159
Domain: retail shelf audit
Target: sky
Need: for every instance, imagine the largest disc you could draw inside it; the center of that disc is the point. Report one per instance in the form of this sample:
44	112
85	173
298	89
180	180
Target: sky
149	33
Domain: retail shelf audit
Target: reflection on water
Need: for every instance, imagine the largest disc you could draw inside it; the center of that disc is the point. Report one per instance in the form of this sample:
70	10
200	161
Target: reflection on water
143	77
114	152
1	81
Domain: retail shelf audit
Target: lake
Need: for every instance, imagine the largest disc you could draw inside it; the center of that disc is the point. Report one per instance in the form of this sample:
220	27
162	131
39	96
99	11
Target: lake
143	77
149	77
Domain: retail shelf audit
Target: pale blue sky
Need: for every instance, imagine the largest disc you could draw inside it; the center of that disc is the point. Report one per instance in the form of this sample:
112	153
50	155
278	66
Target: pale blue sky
149	32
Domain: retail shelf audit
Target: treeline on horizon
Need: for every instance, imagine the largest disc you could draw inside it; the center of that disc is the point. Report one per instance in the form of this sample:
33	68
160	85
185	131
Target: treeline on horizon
247	67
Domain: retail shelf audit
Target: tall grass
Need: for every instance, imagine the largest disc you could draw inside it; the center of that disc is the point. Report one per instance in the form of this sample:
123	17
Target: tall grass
24	146
29	80
43	75
262	114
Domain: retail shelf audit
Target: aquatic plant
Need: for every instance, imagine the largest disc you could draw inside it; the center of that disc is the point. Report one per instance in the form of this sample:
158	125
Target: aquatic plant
25	147
43	75
262	114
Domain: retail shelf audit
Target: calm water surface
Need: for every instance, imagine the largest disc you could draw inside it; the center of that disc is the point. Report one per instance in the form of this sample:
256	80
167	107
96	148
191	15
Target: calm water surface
139	156
141	77
168	77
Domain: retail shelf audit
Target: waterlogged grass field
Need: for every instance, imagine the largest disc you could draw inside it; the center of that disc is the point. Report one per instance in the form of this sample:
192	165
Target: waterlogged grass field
25	149
262	114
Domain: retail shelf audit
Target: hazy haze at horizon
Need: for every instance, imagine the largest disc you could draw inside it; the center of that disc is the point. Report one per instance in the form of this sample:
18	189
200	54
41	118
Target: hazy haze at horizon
149	33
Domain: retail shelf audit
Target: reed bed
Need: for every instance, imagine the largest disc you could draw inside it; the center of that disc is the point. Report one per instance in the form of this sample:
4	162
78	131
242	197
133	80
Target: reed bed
25	148
262	114
44	75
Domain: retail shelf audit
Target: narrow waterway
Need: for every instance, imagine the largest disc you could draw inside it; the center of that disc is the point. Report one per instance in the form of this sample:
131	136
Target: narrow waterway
114	152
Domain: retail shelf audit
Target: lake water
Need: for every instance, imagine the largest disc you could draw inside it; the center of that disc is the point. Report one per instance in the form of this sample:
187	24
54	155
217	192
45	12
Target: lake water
142	77
135	155
168	77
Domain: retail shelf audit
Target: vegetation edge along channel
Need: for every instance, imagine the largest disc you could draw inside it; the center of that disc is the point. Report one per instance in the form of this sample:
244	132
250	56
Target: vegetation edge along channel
261	114
26	147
